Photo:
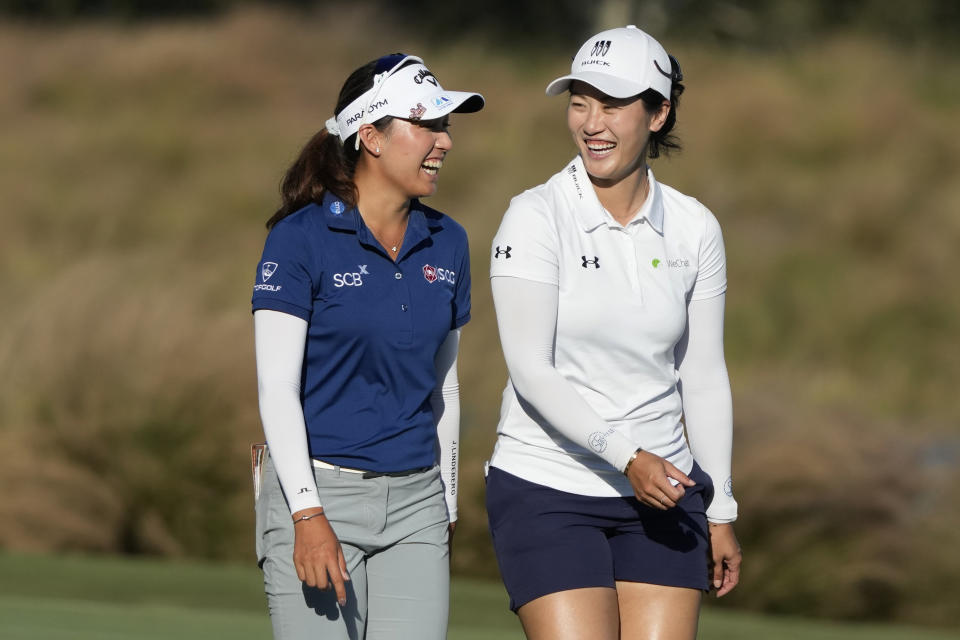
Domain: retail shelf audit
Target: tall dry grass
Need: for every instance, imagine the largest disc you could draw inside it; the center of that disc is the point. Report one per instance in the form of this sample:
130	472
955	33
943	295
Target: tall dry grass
138	167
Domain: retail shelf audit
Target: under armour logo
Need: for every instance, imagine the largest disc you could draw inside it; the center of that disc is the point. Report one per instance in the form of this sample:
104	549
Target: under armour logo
600	48
363	270
595	262
503	252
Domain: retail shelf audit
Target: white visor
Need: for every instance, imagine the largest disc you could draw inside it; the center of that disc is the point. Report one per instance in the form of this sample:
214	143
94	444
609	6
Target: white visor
409	92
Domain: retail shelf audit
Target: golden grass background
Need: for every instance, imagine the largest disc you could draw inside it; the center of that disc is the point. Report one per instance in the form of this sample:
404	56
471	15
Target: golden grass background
139	164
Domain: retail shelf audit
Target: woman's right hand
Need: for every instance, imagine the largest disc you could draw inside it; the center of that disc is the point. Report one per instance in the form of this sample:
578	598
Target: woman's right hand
317	555
650	475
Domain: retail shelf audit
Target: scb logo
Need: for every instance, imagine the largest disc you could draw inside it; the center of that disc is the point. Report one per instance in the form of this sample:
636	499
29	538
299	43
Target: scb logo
347	280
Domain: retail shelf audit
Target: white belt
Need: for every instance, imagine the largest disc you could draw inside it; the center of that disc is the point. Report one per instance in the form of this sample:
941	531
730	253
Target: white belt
320	464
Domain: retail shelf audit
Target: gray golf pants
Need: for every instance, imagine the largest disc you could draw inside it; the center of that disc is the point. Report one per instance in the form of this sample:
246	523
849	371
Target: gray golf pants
394	535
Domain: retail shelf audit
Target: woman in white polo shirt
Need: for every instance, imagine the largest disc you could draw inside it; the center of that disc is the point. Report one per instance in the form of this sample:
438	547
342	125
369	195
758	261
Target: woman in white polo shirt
608	517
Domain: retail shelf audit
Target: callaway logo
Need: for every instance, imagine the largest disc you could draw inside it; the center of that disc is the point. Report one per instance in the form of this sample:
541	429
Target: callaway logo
417	112
267	270
432	274
422	75
595	262
600	48
503	252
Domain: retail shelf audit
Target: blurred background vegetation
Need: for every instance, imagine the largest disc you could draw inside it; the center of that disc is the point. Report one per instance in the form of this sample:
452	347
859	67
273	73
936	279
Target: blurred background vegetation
142	146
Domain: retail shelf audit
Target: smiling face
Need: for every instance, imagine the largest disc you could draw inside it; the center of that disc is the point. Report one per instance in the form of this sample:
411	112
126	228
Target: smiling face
611	133
412	154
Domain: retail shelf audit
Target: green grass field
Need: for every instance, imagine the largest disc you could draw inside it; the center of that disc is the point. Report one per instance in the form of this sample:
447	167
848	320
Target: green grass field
86	598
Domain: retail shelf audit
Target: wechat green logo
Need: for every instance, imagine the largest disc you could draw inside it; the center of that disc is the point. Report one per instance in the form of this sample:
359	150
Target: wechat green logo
656	263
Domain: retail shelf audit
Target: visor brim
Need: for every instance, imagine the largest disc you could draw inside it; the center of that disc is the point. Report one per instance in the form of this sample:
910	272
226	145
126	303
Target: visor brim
444	102
613	87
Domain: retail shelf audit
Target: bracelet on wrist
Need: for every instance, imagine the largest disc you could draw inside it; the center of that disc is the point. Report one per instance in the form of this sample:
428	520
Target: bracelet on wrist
626	469
309	516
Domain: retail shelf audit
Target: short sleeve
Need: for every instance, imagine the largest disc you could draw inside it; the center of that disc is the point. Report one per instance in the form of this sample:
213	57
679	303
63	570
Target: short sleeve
712	270
526	244
283	281
461	294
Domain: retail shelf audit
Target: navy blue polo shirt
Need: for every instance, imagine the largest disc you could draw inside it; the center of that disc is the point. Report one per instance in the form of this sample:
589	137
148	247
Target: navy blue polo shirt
374	327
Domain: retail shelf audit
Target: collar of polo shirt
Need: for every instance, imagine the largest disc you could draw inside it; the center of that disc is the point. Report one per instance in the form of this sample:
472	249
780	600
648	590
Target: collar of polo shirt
592	213
410	92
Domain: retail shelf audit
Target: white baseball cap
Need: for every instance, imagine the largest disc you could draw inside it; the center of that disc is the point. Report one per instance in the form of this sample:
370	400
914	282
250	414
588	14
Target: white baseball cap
410	92
621	62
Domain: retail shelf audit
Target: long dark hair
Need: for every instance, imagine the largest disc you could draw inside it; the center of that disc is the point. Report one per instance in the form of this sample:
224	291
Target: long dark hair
324	164
664	141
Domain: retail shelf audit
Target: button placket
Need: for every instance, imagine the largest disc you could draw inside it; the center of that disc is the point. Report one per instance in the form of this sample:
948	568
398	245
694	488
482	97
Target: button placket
641	267
405	320
630	259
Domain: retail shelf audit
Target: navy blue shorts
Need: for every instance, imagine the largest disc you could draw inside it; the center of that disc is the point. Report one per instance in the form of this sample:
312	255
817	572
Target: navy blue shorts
548	541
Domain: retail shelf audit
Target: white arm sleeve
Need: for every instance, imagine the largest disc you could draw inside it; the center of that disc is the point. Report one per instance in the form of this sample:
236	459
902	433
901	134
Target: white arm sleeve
707	402
280	340
445	401
527	317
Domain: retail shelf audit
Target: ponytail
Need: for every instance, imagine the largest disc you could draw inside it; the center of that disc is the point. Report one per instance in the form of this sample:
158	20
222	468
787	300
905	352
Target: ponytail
663	141
326	164
322	166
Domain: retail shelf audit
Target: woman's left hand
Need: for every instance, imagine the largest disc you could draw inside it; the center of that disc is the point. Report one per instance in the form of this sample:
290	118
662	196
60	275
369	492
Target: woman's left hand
727	557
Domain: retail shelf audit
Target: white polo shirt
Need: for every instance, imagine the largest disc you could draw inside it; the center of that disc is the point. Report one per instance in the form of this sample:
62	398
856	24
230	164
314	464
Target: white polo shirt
622	308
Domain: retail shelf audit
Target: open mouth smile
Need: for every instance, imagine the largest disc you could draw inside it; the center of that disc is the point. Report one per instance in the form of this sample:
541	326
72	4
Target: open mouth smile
432	166
599	148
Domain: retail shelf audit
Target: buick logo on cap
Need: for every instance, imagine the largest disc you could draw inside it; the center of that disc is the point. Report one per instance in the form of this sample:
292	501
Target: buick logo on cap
600	48
267	270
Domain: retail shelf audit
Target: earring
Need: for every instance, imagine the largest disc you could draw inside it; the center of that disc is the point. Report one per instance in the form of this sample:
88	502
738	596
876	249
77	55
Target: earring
378	150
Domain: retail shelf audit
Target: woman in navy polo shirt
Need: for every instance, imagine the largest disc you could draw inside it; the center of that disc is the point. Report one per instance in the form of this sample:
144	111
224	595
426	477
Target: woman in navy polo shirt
609	490
358	302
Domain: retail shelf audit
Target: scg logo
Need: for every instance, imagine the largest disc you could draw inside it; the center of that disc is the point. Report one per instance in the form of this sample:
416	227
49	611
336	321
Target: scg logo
432	274
347	280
